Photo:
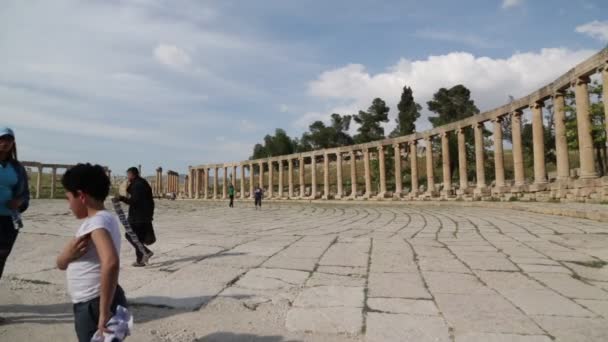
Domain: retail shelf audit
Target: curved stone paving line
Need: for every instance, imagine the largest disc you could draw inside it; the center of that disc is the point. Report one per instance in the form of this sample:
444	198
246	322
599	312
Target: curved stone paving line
333	272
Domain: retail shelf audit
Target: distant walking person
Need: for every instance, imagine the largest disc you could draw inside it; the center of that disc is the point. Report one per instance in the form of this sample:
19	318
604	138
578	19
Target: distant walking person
231	194
258	193
141	213
14	195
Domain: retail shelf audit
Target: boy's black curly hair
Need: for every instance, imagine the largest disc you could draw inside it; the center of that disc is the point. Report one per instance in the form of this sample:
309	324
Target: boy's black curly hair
90	179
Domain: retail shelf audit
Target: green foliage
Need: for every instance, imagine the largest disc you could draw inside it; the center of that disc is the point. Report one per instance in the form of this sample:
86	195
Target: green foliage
452	105
409	112
321	136
274	145
370	128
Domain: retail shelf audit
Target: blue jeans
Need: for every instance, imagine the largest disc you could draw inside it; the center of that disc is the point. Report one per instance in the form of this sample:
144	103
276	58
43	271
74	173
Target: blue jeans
86	315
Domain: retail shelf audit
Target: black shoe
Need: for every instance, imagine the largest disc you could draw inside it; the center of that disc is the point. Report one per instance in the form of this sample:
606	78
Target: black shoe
138	264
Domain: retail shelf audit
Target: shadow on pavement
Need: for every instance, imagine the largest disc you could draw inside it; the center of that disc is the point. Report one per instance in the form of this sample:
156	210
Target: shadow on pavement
231	337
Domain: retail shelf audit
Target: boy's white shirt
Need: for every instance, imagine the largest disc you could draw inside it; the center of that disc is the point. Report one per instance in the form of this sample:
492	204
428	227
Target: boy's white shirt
84	274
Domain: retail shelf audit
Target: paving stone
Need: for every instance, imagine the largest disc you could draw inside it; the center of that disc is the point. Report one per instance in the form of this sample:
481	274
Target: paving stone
567	329
319	279
439	282
600	307
343	270
443	265
505	281
543	302
399	328
478	262
397	285
330	296
484	313
337	320
485	337
268	279
543	269
404	306
300	264
570	287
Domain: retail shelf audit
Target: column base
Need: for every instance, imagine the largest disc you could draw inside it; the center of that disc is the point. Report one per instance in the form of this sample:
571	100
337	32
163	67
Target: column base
536	187
482	191
398	195
500	189
381	195
519	188
447	194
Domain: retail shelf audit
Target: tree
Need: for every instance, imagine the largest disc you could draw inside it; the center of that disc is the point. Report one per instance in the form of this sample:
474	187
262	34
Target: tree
409	112
370	128
274	145
321	136
452	105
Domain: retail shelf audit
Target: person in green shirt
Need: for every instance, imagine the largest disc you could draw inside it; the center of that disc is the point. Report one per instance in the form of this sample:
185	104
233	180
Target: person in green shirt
231	194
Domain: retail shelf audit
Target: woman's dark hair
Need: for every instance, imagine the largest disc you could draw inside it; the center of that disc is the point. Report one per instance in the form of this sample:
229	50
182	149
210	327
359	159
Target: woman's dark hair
12	155
134	171
90	179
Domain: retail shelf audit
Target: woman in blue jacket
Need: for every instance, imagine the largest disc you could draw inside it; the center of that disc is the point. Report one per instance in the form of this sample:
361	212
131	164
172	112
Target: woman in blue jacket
14	193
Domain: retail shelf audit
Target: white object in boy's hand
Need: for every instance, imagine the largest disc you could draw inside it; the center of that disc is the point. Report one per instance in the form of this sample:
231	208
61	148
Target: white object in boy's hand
120	324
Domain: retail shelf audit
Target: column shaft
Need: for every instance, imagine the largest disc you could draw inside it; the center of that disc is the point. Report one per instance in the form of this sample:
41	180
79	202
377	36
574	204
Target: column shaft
270	180
518	154
251	181
382	169
462	160
215	182
281	166
326	176
414	167
445	159
261	175
499	162
205	181
368	178
53	182
290	177
242	181
583	123
353	174
301	177
38	181
479	156
340	189
430	172
398	178
313	186
561	143
538	136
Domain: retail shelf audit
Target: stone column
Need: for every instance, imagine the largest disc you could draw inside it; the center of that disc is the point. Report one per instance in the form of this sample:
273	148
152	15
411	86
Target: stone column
194	183
583	123
368	178
233	180
261	175
445	159
538	137
353	174
190	181
414	167
206	176
430	173
479	156
313	186
242	181
53	181
187	186
605	96
340	185
325	176
251	181
561	143
398	178
518	154
290	177
382	169
499	162
302	179
160	182
281	166
215	182
270	180
38	181
462	161
225	183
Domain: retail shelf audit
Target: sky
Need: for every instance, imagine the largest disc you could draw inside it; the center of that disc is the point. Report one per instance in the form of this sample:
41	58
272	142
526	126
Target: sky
174	83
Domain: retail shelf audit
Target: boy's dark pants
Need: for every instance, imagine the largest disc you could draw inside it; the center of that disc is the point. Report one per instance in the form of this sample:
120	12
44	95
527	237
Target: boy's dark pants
140	229
258	202
231	201
86	315
8	236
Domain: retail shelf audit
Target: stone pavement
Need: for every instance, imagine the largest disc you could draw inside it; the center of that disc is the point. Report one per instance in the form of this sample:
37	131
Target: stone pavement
332	272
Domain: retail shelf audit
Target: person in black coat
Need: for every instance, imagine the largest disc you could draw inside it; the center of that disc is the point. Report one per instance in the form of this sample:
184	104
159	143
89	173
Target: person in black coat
141	213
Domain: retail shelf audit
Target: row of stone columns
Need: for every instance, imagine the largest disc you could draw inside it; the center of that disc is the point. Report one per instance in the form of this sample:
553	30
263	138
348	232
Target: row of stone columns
199	177
172	182
158	183
39	167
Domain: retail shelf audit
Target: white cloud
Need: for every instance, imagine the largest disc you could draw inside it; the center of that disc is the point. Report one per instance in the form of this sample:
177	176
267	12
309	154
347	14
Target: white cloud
172	56
511	3
490	80
595	29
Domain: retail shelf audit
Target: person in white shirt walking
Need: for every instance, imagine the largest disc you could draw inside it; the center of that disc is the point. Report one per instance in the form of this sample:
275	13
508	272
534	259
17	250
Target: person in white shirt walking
91	258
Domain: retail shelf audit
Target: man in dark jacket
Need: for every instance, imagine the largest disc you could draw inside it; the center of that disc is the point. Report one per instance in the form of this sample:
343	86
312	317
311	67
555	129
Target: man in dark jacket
141	212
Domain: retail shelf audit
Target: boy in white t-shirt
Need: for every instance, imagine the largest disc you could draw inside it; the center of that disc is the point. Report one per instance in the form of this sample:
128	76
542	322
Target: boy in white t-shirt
91	257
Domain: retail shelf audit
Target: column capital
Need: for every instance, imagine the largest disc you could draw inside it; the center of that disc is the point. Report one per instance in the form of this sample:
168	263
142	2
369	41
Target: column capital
159	169
396	145
380	147
460	130
365	149
428	138
537	104
478	125
581	80
412	142
559	93
517	113
498	119
444	134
